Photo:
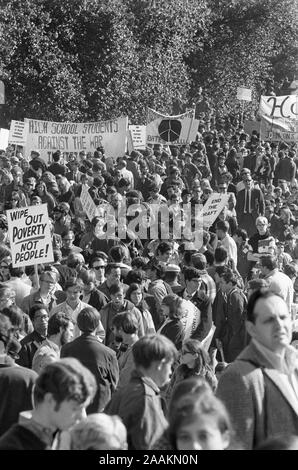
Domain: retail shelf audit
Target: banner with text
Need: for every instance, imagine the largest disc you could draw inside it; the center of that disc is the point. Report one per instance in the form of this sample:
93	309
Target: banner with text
30	236
47	137
212	208
279	118
175	130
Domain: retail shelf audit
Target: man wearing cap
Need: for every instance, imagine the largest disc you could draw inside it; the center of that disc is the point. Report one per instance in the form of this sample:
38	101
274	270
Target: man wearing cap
250	204
172	272
94	355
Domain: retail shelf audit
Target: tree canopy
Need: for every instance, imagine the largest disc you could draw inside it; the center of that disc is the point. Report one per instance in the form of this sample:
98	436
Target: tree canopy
81	60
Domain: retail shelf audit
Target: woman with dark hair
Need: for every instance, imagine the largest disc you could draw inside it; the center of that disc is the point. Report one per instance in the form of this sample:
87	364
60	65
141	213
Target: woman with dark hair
195	362
136	296
45	196
172	327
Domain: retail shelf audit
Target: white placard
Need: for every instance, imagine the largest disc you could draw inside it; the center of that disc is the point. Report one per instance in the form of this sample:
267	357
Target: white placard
243	94
30	236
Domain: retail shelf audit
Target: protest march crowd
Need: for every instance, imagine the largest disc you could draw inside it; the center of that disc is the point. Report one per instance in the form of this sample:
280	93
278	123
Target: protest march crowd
153	327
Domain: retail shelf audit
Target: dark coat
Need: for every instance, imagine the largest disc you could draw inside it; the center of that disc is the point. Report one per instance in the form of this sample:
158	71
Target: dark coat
20	438
139	406
101	361
257	204
174	330
16	384
30	344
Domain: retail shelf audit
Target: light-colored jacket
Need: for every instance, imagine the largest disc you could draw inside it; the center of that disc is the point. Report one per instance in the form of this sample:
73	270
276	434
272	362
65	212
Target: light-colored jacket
259	401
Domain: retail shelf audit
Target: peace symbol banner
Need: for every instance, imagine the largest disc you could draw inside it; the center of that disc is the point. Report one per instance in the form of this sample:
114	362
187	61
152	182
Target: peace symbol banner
172	130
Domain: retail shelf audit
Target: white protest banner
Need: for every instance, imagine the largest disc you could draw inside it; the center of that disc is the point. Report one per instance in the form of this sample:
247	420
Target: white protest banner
175	130
47	137
17	133
4	133
212	208
279	118
138	134
285	107
243	94
87	203
30	236
191	318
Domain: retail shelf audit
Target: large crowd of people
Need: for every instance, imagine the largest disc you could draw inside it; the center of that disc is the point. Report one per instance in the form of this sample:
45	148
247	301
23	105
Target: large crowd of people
151	329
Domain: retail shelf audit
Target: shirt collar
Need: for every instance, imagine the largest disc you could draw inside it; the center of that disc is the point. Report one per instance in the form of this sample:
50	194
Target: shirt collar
285	363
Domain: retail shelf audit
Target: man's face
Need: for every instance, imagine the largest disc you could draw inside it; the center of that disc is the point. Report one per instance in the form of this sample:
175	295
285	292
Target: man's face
114	276
67	240
262	227
164	372
67	334
194	284
118	299
66	414
247	183
73	294
47	283
40	322
165	257
273	326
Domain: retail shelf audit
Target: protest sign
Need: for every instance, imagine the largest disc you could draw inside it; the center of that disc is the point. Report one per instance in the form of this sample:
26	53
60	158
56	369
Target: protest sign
130	146
30	236
172	130
191	318
87	203
4	133
279	118
212	208
47	137
243	94
138	134
17	133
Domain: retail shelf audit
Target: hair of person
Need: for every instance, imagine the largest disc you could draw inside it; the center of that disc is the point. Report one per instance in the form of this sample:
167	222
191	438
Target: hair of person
194	385
87	276
139	262
132	288
135	277
36	308
118	253
67	232
269	262
57	253
253	299
220	254
191	408
15	315
16	272
58	320
209	257
116	288
223	225
73	282
240	232
99	431
153	348
98	256
127	321
174	302
191	273
195	347
111	266
199	261
74	260
88	319
66	379
163	247
229	276
290	270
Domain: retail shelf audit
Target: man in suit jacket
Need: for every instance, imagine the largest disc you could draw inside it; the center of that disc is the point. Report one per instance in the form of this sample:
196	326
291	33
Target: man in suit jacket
99	359
249	205
260	388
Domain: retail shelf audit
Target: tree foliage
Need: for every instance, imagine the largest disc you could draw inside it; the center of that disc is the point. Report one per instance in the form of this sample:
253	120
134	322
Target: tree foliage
84	60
